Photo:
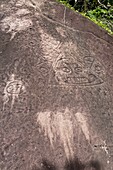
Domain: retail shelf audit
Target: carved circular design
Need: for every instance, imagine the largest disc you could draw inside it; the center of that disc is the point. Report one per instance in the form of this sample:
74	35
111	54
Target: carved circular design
14	87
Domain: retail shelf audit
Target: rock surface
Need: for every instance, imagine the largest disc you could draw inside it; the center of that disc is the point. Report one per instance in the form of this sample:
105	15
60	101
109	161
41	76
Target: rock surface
56	81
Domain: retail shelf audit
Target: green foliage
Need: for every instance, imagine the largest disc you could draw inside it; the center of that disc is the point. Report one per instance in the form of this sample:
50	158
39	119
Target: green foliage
100	13
66	3
102	17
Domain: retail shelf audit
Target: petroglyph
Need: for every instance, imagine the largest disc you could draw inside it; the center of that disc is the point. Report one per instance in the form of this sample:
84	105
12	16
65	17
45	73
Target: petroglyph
58	125
86	72
76	70
56	88
12	90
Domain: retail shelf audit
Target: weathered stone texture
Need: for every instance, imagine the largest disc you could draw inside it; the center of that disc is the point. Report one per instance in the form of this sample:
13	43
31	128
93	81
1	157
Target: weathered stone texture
56	81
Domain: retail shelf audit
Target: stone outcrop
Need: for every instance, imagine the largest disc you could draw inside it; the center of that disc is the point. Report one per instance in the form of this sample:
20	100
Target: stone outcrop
56	81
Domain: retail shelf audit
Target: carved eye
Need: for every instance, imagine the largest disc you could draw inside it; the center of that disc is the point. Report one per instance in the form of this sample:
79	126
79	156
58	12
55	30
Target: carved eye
78	70
10	88
66	69
88	59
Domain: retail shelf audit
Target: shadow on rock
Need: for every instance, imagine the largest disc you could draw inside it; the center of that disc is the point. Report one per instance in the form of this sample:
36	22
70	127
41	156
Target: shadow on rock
76	164
47	165
95	165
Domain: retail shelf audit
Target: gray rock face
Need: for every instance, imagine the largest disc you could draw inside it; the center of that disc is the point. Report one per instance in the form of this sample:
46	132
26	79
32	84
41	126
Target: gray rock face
56	81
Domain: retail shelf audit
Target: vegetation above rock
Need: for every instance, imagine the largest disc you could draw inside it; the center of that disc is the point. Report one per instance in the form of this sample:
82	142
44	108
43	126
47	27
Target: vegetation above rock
99	11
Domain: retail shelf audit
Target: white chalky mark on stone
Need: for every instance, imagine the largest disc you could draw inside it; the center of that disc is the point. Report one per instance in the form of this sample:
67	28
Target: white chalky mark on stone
105	148
16	23
83	124
61	31
12	89
30	3
64	15
21	12
20	3
53	48
108	162
50	46
33	3
58	125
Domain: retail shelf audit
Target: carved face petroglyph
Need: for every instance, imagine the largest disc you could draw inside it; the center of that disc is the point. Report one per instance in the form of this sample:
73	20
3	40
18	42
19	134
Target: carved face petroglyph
70	67
84	73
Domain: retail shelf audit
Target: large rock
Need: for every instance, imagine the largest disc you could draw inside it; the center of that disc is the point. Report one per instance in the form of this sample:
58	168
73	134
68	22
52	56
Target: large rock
56	90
